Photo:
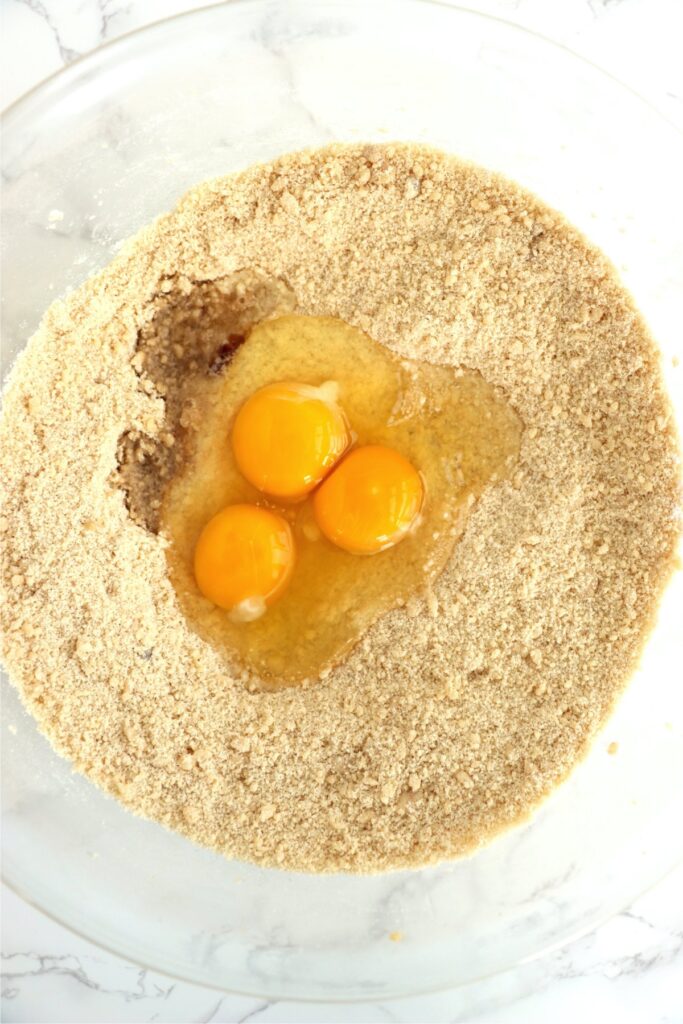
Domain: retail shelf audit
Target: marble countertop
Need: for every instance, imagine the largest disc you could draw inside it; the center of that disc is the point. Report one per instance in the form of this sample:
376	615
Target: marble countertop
630	969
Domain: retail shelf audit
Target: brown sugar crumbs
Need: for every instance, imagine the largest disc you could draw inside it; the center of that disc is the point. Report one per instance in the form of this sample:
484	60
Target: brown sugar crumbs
457	712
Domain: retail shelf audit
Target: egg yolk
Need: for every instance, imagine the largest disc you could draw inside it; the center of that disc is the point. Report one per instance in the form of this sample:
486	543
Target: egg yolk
287	437
370	501
243	560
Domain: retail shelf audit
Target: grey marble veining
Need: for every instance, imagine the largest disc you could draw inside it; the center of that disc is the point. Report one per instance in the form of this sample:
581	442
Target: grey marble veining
631	968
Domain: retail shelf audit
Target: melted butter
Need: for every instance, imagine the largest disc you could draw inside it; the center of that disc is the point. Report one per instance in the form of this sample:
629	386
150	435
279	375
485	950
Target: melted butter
456	429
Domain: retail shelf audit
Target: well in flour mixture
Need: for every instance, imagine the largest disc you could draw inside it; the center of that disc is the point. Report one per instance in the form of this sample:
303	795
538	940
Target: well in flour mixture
455	714
452	424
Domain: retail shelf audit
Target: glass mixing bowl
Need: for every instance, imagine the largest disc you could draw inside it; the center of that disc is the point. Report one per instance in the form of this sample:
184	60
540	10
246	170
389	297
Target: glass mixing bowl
99	150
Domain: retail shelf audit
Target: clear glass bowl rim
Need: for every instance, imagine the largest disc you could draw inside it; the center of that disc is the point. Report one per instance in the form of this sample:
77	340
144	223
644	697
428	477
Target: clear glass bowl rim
62	80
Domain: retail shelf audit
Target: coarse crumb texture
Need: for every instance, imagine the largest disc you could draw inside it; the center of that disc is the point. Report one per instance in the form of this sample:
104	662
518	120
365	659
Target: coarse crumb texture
454	715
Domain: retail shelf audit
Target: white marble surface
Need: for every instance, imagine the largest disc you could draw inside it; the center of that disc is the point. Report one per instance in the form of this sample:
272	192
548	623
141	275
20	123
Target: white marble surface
631	969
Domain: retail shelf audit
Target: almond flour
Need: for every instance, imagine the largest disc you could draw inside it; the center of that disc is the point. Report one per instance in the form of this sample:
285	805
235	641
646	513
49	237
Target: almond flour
456	714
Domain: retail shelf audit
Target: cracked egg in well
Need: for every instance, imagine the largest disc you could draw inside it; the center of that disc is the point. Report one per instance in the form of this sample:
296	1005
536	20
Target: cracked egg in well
369	461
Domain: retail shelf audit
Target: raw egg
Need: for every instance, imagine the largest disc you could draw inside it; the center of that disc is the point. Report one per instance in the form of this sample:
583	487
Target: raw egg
447	422
243	560
370	501
288	436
